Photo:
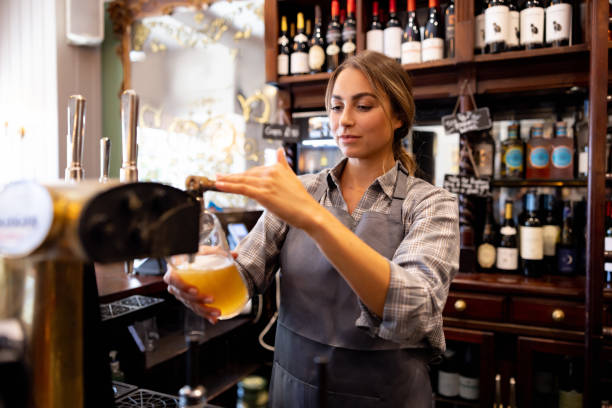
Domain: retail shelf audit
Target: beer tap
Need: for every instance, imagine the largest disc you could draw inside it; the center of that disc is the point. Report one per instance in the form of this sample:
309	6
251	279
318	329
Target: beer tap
129	170
75	138
105	146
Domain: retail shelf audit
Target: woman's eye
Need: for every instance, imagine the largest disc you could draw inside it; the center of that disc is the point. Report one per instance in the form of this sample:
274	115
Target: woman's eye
336	108
364	107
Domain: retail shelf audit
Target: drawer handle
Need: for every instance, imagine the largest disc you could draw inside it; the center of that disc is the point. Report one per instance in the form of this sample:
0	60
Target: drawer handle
460	305
558	315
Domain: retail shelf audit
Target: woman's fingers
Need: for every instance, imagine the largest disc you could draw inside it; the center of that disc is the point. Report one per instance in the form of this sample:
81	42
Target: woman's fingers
172	278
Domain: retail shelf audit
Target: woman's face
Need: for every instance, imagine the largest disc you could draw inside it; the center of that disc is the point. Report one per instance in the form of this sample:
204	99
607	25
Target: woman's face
359	119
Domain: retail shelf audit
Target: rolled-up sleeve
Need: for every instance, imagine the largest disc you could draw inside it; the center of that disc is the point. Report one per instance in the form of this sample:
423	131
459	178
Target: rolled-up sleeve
421	271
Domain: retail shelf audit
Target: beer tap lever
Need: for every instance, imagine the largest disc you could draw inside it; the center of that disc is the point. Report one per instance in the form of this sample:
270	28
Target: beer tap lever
129	119
105	146
75	137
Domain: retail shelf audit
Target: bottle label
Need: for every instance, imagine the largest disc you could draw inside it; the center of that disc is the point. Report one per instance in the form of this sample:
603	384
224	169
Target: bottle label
479	31
448	384
532	25
282	63
411	52
393	42
532	243
507	259
583	163
469	388
348	47
483	155
570	399
299	63
316	58
333	36
558	22
514	33
608	244
496	24
283	41
375	40
332	49
561	157
538	157
486	255
433	49
550	234
348	34
514	158
566	261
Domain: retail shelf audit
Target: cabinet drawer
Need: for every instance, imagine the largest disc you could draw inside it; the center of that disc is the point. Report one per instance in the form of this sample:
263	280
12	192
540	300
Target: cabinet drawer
472	306
552	313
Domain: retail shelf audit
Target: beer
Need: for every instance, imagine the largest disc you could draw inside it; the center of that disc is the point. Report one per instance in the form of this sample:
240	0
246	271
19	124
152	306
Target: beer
217	276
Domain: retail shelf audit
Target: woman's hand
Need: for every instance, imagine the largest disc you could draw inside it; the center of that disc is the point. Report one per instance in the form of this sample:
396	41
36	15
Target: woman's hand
190	297
275	187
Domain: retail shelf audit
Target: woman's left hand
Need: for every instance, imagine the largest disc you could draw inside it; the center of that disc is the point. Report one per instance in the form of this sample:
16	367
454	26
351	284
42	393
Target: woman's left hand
277	188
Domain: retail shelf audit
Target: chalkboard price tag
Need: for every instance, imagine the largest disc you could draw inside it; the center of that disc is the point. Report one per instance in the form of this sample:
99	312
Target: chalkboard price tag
479	119
467	185
287	133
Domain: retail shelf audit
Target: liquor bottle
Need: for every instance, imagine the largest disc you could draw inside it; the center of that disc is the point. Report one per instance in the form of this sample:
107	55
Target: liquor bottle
192	397
496	25
448	375
484	154
411	39
514	22
299	52
449	30
608	243
479	27
348	31
498	397
375	36
562	155
316	52
532	241
432	45
507	251
558	23
486	250
393	34
581	134
308	28
566	248
282	60
538	156
333	38
513	153
570	384
252	392
551	232
512	399
532	25
469	377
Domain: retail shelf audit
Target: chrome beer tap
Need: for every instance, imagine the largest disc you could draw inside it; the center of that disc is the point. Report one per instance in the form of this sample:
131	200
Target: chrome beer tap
75	137
105	146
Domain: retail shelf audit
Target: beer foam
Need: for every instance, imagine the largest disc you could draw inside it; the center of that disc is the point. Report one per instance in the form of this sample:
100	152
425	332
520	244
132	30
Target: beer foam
208	262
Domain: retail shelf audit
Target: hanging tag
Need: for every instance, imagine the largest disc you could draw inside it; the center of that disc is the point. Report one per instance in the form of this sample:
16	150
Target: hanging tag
479	119
468	185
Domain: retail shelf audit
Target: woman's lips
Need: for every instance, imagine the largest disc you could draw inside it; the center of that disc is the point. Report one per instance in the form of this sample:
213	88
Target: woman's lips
348	138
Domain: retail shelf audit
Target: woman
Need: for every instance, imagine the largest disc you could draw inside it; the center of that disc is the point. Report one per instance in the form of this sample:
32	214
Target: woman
366	252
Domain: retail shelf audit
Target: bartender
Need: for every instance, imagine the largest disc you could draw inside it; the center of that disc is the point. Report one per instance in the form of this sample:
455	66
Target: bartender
366	252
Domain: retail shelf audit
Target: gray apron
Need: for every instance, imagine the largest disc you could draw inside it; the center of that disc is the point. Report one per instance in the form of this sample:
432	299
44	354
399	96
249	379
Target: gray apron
317	318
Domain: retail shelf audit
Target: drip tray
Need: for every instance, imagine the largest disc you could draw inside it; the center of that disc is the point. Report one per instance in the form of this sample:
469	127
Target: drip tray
128	305
145	398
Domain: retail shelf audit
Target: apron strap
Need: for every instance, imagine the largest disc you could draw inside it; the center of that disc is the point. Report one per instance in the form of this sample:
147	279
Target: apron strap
400	192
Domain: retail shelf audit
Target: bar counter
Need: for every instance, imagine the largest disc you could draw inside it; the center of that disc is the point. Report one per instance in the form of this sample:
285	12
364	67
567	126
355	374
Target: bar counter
114	283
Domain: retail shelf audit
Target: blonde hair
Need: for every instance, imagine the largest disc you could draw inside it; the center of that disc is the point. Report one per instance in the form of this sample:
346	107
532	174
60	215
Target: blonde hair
389	80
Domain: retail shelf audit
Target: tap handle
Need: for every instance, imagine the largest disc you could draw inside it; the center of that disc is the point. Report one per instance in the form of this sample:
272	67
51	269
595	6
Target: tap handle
75	138
105	146
129	118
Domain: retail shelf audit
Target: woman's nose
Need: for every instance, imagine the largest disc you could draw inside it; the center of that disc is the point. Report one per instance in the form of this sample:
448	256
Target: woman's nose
346	119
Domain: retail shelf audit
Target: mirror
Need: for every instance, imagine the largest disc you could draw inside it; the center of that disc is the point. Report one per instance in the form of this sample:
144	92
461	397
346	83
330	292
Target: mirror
199	69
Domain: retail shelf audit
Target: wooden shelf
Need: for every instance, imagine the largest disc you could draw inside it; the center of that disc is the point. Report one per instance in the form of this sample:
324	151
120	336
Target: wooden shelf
538	183
305	78
447	62
540	52
456	401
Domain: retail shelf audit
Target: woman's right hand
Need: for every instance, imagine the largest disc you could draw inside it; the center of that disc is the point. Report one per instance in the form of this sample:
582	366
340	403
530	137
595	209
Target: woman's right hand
190	297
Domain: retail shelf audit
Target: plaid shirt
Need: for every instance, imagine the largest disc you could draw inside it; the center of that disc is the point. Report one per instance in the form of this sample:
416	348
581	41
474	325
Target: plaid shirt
421	268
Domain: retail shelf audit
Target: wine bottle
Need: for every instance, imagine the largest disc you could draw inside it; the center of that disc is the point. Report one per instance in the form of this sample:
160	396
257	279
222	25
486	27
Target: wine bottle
512	399
558	23
449	30
299	52
566	247
608	243
375	36
485	254
348	31
316	52
496	25
551	232
333	38
532	25
411	39
448	375
513	152
282	60
507	251
570	384
532	241
581	132
514	32
498	397
469	377
484	154
393	32
433	42
479	27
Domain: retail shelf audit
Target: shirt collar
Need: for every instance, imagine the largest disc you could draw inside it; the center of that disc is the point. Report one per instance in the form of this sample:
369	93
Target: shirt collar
386	182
